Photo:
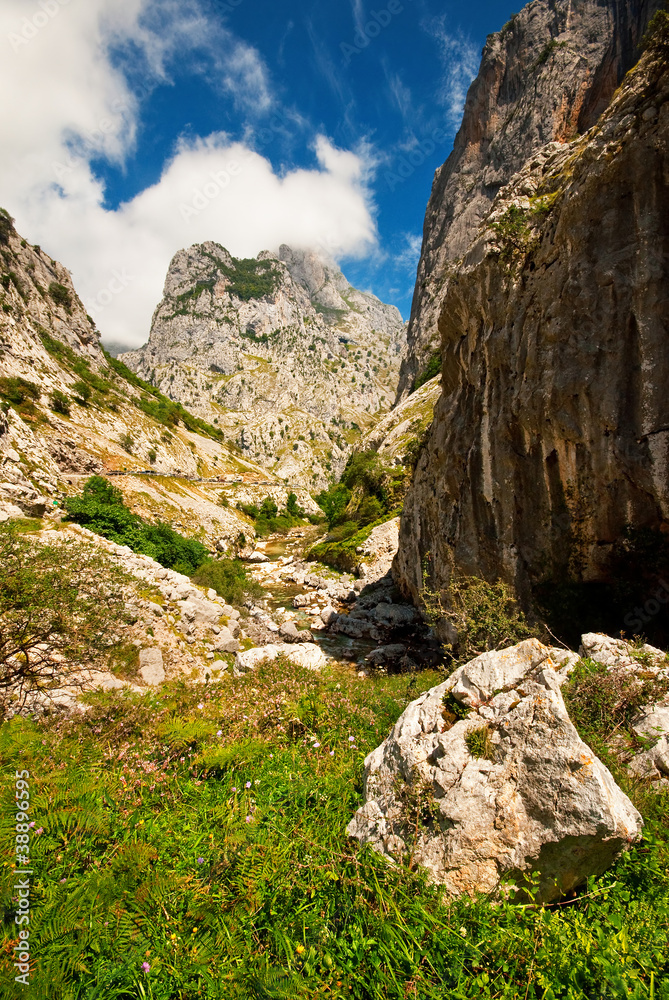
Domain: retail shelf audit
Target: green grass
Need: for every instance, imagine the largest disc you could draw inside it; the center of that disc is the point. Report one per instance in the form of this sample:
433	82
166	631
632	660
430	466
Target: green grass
154	851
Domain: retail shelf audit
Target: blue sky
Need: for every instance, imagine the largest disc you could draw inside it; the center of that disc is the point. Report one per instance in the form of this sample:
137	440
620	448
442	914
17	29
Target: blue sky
147	125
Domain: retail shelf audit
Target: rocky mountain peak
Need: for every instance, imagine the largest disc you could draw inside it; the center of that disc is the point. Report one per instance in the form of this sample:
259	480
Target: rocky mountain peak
546	76
280	351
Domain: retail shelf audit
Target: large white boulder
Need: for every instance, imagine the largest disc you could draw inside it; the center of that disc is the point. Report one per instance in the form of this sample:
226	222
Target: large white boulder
307	655
536	800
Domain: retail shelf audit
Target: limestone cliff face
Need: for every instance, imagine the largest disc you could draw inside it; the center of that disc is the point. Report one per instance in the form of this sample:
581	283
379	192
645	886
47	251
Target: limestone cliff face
552	432
281	352
546	76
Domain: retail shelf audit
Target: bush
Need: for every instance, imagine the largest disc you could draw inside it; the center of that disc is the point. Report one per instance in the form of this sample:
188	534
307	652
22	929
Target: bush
368	490
18	390
100	507
126	442
229	578
60	403
6	225
656	39
484	615
61	295
432	368
83	391
60	602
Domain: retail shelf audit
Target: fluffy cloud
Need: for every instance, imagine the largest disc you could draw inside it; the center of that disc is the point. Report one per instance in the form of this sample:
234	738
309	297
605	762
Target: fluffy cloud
73	103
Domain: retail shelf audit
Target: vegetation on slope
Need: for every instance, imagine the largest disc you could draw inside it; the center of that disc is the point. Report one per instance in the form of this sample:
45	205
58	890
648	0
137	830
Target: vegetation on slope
267	519
368	493
191	843
101	508
58	601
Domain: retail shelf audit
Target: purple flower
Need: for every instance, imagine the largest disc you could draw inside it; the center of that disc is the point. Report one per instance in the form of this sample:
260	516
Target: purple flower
316	746
248	819
220	732
248	784
31	825
200	705
39	831
351	739
332	753
234	788
200	861
146	967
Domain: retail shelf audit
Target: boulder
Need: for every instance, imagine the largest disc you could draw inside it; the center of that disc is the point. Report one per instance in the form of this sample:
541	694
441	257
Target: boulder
395	614
508	790
226	641
652	726
329	615
151	666
289	632
617	653
198	611
386	654
307	655
258	557
378	551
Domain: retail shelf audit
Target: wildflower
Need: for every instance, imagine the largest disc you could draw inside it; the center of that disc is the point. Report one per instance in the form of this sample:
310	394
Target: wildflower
316	746
351	739
299	949
248	819
463	931
220	732
31	825
146	967
234	788
271	756
248	784
200	706
332	753
200	861
39	831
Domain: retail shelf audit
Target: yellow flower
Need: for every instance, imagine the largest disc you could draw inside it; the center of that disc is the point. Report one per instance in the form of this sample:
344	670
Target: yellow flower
299	949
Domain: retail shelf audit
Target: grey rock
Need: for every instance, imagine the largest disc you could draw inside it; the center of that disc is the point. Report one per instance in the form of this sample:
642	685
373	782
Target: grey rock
199	611
524	96
226	642
386	654
156	609
537	800
306	655
151	667
488	495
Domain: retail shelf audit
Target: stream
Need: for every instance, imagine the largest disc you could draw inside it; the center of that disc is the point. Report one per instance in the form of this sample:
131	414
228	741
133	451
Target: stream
281	595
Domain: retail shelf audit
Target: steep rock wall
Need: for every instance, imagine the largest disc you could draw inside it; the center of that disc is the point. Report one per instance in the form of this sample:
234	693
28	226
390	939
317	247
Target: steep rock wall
552	432
547	75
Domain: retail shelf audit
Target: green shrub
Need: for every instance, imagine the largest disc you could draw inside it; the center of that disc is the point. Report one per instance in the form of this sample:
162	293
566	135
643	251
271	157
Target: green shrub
18	390
58	601
61	295
153	455
479	743
126	441
229	578
656	39
82	390
60	403
432	368
6	225
101	508
484	615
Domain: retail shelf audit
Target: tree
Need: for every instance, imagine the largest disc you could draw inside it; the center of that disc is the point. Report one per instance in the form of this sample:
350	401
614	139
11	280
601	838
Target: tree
62	607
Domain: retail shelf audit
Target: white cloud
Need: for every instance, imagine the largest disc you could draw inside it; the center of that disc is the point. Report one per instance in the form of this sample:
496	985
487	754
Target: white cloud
70	101
460	61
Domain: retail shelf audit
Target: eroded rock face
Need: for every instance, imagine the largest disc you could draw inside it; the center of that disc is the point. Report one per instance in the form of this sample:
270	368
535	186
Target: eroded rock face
307	655
546	76
282	352
551	433
508	790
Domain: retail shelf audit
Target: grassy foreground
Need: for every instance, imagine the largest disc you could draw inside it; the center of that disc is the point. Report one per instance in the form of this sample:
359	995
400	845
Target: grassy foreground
190	843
